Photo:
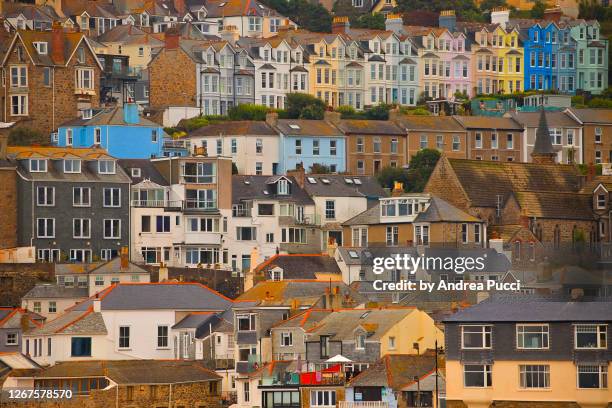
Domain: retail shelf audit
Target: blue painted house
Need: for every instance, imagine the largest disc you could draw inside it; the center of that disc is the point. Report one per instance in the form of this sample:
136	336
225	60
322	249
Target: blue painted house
310	142
121	131
550	57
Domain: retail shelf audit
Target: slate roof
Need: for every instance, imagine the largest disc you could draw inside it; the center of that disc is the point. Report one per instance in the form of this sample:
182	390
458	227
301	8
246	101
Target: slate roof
529	308
238	128
109	117
300	266
305	320
71	41
256	186
488	122
368	217
365	256
11	318
341	325
483	180
339	186
166	295
114	266
441	211
133	371
599	116
308	127
556	205
554	119
202	322
306	292
433	123
370	127
54	291
73	322
232	8
129	34
395	371
148	171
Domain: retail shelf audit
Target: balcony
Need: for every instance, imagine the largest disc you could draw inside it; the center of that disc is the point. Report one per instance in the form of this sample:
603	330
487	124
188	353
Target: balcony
241	211
177	144
363	404
306	219
157	203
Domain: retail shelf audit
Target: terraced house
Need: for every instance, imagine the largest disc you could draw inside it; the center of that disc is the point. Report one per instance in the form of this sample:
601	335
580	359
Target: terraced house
592	51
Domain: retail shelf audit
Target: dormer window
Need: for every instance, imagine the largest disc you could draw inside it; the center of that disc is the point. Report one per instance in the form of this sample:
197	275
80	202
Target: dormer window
41	47
282	187
360	341
601	201
136	172
38	165
106	167
86	114
72	166
81	55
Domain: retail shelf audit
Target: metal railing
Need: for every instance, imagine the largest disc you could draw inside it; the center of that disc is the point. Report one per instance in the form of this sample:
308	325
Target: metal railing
240	211
194	204
157	203
363	404
176	144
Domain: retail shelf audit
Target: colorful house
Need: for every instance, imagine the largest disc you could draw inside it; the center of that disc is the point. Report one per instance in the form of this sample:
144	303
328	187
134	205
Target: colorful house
592	56
121	131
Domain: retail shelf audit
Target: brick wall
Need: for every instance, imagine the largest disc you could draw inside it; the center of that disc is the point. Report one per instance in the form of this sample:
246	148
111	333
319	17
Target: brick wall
172	80
8	208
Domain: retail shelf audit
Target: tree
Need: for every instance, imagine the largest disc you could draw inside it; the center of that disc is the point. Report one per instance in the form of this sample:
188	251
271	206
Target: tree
304	106
387	176
537	11
465	9
421	167
488	5
593	10
312	17
378	112
318	168
374	21
25	136
248	111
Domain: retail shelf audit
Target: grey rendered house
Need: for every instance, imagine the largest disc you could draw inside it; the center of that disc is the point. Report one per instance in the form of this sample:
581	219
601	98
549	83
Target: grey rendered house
289	336
13	320
74	203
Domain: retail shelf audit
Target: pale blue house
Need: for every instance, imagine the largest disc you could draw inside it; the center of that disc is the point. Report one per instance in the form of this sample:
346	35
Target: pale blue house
310	142
121	131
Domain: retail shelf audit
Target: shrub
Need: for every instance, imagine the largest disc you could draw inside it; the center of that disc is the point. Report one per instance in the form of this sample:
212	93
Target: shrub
248	111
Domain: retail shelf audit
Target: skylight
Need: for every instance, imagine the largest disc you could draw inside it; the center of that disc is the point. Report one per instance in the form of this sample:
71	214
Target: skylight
265	192
348	181
222	4
261	6
312	180
164	6
368	254
325	181
353	254
363	316
247	182
357	181
294	126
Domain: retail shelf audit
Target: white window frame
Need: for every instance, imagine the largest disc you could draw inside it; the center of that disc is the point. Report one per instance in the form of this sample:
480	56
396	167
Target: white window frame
47	192
537	370
81	230
110	164
20	102
483	332
115	226
84	79
286	339
75	167
487	369
82	203
600	344
544	334
48	222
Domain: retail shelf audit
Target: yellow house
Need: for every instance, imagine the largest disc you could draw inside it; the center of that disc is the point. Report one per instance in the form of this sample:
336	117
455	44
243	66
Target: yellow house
526	351
131	41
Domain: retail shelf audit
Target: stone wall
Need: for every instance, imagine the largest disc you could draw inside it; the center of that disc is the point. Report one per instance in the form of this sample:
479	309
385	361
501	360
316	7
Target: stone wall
8	208
172	80
17	279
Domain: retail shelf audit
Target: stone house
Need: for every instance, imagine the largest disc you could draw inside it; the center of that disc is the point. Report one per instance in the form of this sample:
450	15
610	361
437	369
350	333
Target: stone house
596	134
8	192
288	336
492	138
134	383
51	77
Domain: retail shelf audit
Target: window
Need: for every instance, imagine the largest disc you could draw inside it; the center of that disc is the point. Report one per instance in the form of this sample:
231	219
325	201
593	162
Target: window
477	375
509	141
19	77
601	201
392	235
11	339
324	346
52	307
162	336
81	228
591	336
106	167
99	280
234	146
45	227
592	376
456	143
254	24
315	147
330	210
323	398
246	233
293	235
47	76
112	229
532	336
360	341
124	337
45	196
332	147
298	146
286	339
476	337
391	343
162	223
359	145
80	347
37	307
246	322
246	391
282	187
534	376
478	141
84	79
38	165
72	166
19	105
112	197
464	233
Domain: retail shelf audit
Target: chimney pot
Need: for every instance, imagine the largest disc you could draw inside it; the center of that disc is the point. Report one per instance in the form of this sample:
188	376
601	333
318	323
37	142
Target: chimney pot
340	25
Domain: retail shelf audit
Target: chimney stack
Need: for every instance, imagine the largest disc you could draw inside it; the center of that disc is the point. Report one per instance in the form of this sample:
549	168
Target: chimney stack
179	5
299	174
97	304
394	22
448	20
332	117
130	113
57	43
500	15
272	118
553	14
171	38
340	25
230	34
162	274
125	261
398	189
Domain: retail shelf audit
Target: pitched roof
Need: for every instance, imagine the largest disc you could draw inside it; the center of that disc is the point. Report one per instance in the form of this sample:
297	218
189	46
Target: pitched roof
488	122
12	318
483	181
232	8
148	171
300	266
238	128
306	320
433	123
73	322
109	117
340	185
54	291
307	127
257	188
532	308
441	211
71	41
305	292
599	116
133	371
128	34
543	144
370	127
365	256
395	370
554	118
368	217
163	295
565	205
342	325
